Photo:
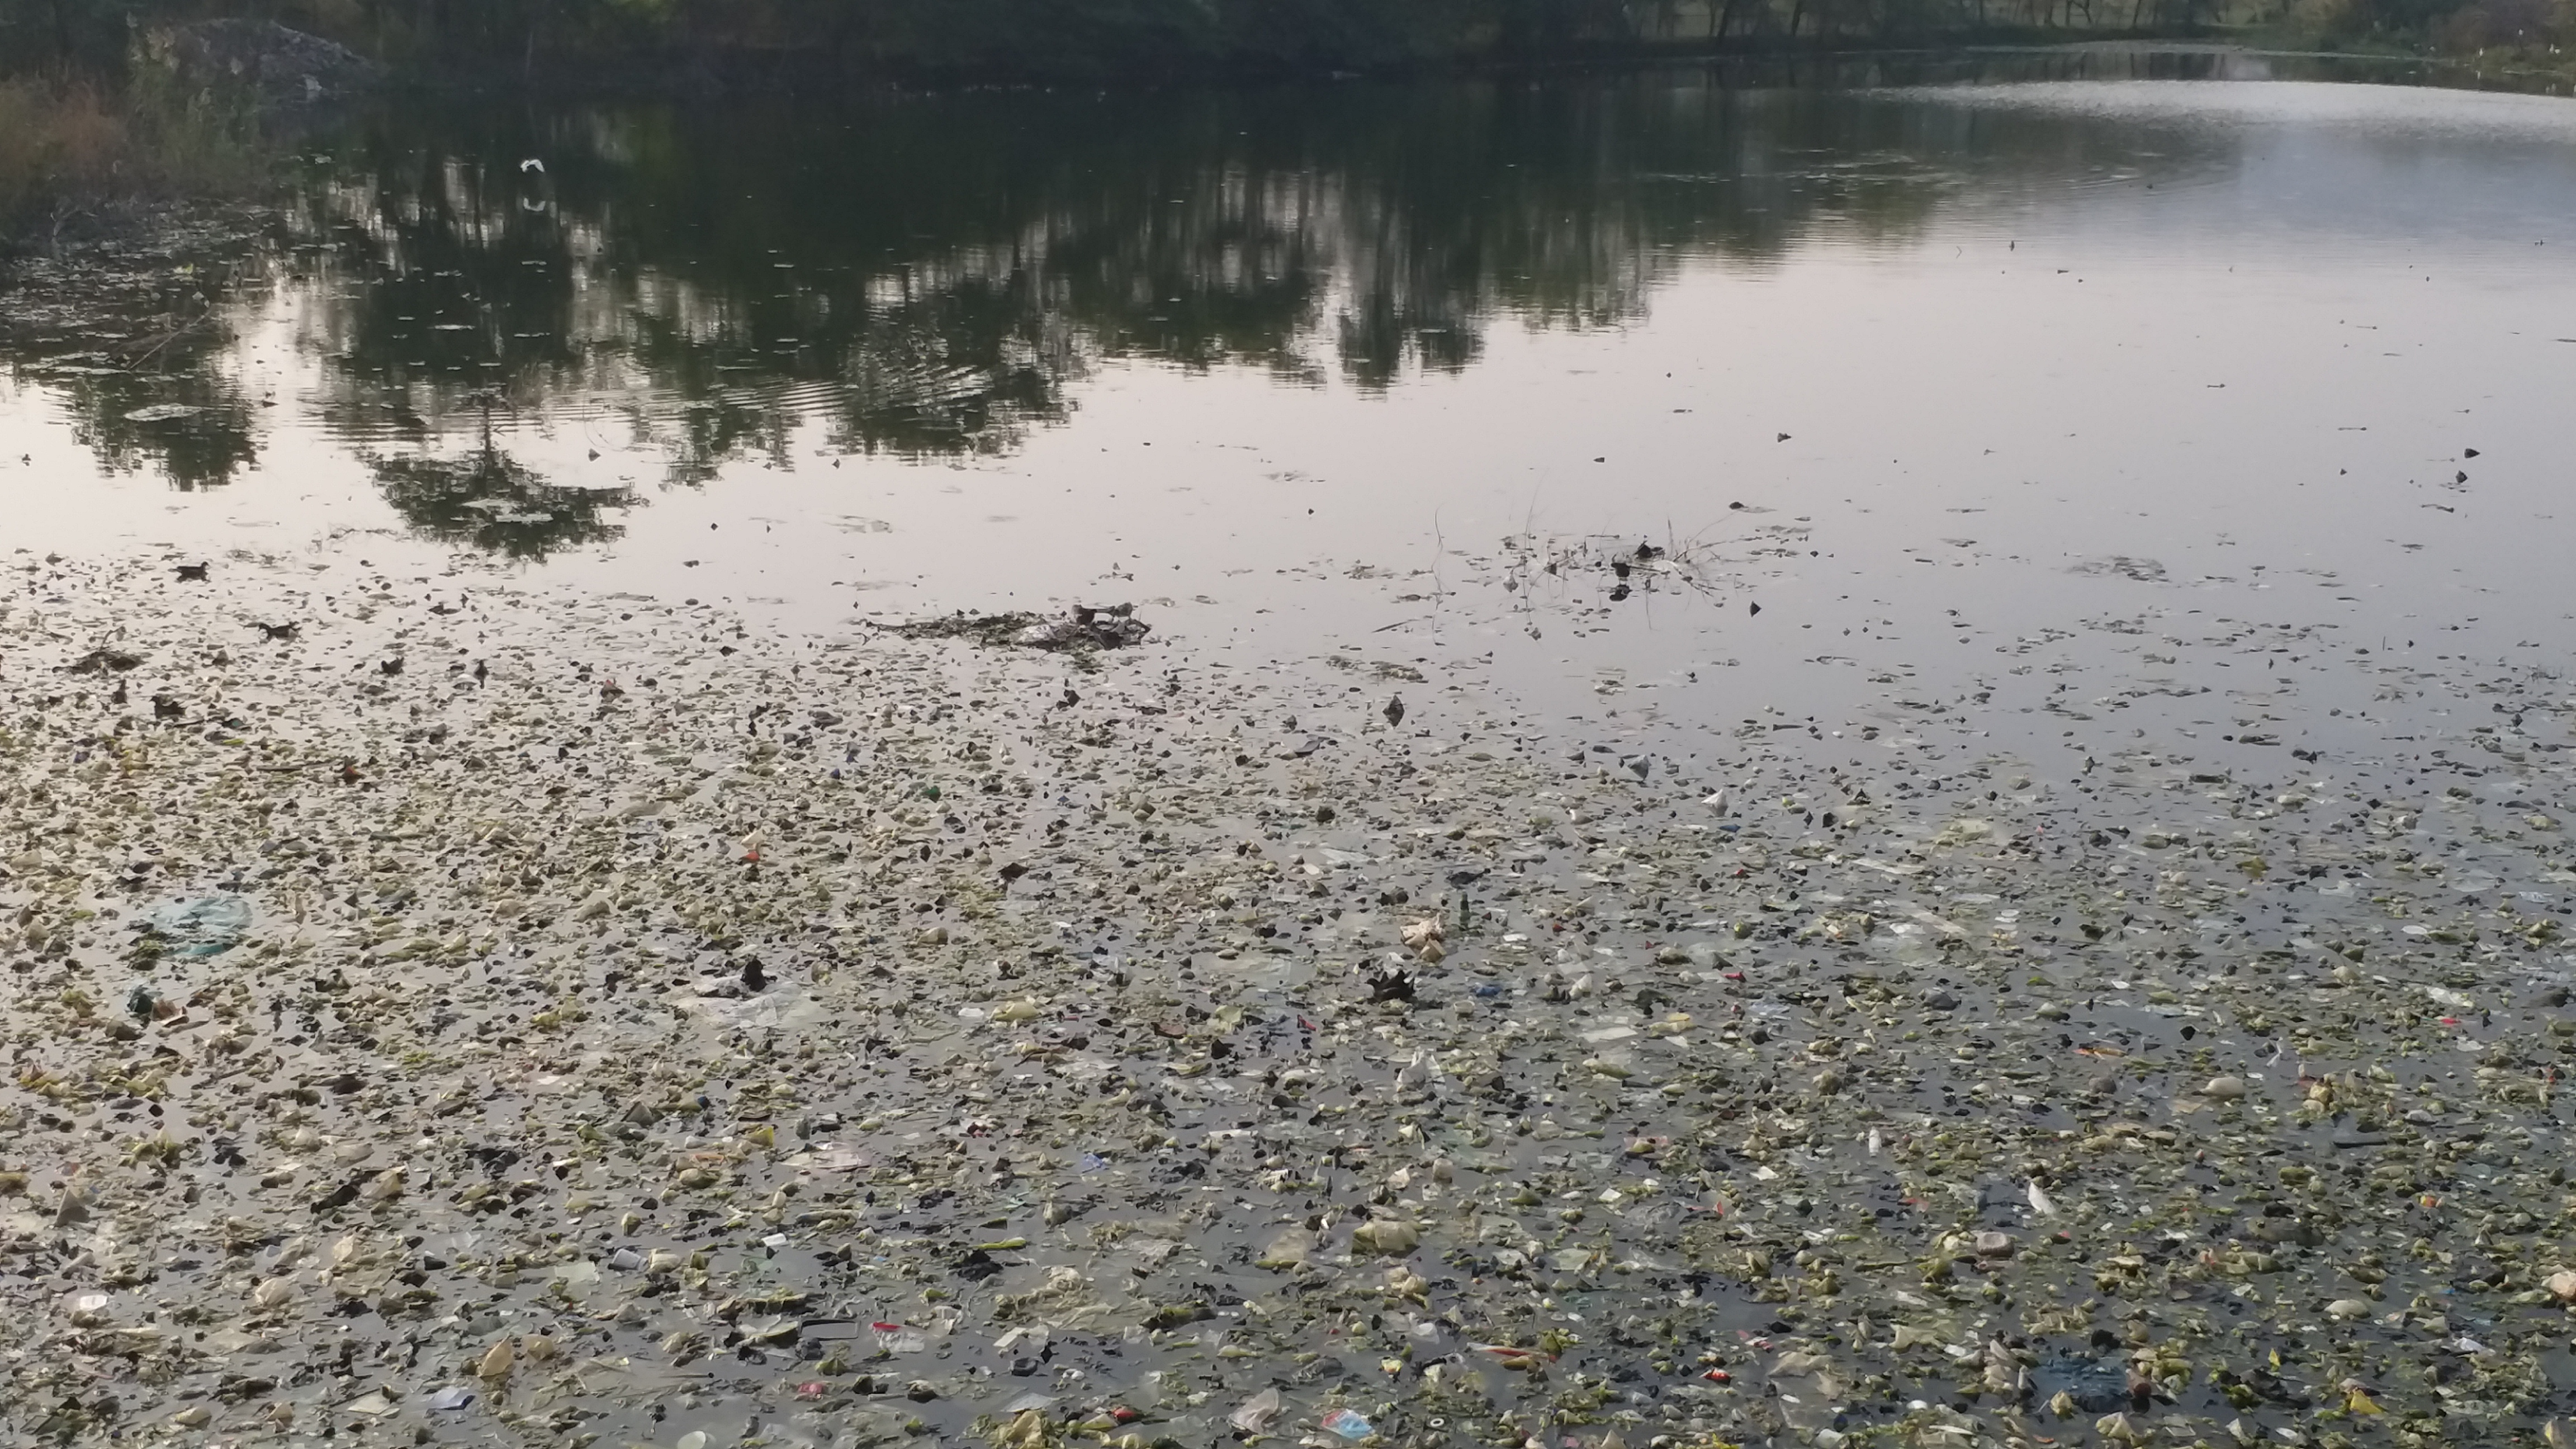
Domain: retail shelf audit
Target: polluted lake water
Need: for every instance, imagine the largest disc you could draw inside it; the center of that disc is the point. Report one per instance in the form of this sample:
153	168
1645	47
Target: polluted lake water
497	1012
1927	809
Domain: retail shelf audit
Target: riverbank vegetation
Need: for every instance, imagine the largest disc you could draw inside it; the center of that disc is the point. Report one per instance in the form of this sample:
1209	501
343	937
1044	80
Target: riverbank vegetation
662	44
76	147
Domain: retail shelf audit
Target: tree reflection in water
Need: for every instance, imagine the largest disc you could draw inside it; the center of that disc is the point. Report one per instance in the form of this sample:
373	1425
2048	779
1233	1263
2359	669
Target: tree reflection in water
488	499
934	277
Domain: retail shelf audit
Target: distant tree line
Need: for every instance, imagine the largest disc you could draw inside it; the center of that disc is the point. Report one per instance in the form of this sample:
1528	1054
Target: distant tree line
661	42
1058	39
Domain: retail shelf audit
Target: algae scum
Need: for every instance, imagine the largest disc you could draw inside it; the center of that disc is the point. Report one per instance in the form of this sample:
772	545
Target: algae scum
489	1015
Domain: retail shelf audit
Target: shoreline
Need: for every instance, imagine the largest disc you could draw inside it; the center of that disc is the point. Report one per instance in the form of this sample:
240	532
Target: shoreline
745	74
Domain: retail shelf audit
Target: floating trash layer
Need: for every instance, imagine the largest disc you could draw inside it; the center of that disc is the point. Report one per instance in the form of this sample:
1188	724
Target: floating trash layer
441	1013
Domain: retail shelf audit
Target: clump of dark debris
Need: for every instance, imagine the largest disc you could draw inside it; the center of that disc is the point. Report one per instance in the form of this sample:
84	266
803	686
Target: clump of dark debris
1086	629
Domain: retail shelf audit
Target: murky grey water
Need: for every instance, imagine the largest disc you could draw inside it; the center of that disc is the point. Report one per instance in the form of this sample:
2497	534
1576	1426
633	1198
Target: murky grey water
1924	370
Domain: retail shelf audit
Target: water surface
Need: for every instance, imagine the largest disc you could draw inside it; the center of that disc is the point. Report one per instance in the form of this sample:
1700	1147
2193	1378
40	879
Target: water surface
1927	359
